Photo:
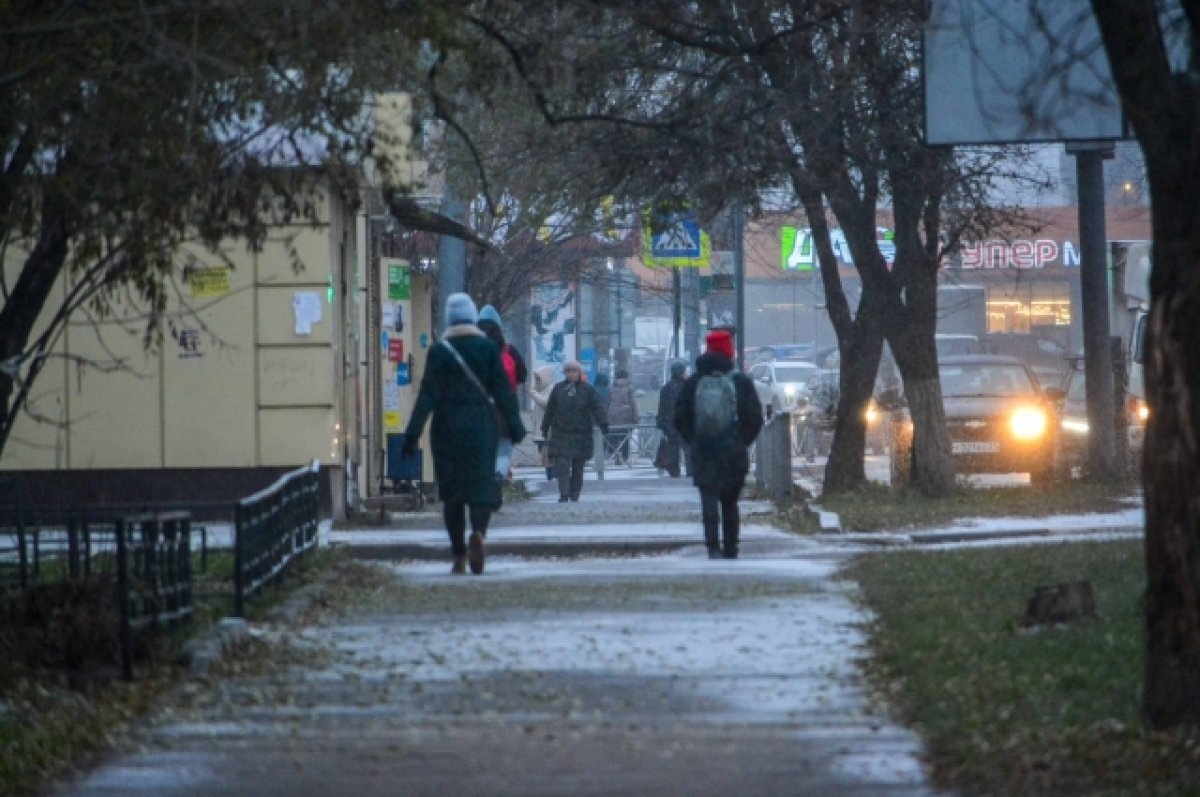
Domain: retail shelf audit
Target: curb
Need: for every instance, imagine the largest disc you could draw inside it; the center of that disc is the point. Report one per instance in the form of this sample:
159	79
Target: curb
201	653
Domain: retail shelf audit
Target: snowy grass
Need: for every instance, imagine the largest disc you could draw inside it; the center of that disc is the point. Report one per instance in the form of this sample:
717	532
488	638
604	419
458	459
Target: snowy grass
1009	711
880	508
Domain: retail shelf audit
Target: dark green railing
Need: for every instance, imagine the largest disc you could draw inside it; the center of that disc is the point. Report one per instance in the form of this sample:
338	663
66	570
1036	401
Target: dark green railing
272	529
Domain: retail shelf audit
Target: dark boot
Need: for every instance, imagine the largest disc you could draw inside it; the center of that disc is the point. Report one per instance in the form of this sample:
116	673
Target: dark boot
459	568
475	552
714	553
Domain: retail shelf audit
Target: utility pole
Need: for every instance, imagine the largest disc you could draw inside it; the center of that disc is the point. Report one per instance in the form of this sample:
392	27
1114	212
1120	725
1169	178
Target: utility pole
1093	278
739	284
452	258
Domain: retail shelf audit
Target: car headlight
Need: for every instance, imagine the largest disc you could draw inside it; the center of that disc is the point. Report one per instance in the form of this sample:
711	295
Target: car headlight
1027	423
1075	425
1139	411
871	415
789	391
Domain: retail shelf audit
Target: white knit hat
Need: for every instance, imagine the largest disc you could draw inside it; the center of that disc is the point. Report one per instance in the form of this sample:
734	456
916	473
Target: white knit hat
460	310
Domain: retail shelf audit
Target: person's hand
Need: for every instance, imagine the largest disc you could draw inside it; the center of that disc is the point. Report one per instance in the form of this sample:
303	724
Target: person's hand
409	449
604	428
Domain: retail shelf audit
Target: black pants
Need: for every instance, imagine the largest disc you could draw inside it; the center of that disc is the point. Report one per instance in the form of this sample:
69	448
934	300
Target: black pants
456	523
728	522
674	450
569	471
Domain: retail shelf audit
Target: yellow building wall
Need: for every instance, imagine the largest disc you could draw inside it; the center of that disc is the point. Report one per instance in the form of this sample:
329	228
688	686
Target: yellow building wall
240	379
208	366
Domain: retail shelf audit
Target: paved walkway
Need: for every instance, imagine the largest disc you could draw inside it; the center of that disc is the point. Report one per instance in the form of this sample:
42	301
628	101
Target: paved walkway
601	653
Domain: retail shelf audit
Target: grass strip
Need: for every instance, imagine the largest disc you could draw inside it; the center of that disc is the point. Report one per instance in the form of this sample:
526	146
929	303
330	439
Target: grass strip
1006	710
877	507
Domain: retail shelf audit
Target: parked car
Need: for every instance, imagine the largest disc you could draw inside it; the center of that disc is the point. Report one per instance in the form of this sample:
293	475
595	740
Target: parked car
1000	419
782	351
782	385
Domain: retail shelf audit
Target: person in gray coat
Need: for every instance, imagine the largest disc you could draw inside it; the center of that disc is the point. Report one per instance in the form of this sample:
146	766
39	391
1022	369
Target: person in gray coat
622	411
571	412
464	433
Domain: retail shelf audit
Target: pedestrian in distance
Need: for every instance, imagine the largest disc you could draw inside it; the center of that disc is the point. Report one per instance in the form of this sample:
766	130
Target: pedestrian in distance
510	356
718	415
672	443
622	413
571	412
543	383
514	369
468	394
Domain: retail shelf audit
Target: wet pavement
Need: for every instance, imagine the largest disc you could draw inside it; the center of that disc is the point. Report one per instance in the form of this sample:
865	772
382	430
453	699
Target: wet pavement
601	653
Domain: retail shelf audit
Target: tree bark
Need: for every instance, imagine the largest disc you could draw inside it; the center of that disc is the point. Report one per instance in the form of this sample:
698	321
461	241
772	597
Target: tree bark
1164	109
20	313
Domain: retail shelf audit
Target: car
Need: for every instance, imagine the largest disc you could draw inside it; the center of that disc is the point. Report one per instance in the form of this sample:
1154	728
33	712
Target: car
1073	423
814	423
782	351
999	418
781	385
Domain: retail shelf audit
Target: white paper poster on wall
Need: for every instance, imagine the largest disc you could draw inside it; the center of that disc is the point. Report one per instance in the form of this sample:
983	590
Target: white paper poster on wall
307	308
391	395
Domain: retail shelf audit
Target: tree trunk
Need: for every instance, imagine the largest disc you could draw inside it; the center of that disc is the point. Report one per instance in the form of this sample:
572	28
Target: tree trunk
1164	110
861	349
1171	460
22	310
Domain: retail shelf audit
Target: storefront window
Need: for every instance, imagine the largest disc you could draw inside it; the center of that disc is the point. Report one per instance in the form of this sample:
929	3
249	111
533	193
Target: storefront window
1028	308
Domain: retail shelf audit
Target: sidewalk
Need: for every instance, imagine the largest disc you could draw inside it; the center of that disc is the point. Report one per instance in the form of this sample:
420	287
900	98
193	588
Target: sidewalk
601	653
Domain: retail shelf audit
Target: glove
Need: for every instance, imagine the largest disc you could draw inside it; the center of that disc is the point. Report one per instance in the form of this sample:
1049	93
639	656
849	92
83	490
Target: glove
409	449
604	428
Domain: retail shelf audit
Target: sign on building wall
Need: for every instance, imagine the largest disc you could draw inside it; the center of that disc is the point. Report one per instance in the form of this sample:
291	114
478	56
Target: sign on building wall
208	281
797	251
399	282
552	326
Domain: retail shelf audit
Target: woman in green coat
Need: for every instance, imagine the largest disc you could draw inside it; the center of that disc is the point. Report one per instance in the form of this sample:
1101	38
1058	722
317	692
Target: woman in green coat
464	431
572	408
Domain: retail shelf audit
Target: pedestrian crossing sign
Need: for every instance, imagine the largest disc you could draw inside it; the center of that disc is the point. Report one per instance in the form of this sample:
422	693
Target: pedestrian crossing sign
675	240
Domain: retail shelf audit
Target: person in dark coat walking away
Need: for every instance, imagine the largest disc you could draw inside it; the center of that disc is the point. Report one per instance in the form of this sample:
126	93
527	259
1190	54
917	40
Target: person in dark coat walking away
571	412
463	387
665	420
510	357
515	370
622	412
719	419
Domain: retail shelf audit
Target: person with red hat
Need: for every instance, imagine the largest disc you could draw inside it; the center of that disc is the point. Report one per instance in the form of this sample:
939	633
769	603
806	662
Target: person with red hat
718	415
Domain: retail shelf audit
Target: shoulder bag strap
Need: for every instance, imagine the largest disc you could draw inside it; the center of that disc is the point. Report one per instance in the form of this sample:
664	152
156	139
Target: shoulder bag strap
470	374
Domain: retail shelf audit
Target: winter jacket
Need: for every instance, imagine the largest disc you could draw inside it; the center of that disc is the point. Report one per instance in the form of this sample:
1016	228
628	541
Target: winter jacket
667	396
622	404
726	465
543	383
570	413
463	433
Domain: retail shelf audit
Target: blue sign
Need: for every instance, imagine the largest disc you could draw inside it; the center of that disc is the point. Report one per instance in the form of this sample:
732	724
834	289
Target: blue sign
402	377
676	240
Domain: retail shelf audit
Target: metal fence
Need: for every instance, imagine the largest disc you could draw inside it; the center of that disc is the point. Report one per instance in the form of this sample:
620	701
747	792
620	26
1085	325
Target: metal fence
635	445
140	565
272	529
773	459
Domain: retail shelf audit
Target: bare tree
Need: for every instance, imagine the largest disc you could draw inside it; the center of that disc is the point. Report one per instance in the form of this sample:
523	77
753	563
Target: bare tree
128	130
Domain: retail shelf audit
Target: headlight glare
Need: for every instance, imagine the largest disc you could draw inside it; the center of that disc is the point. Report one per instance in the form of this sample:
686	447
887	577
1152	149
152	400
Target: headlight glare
1027	423
1075	425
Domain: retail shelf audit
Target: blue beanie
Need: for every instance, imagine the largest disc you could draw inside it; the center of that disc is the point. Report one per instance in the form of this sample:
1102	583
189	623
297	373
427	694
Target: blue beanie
488	313
460	310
